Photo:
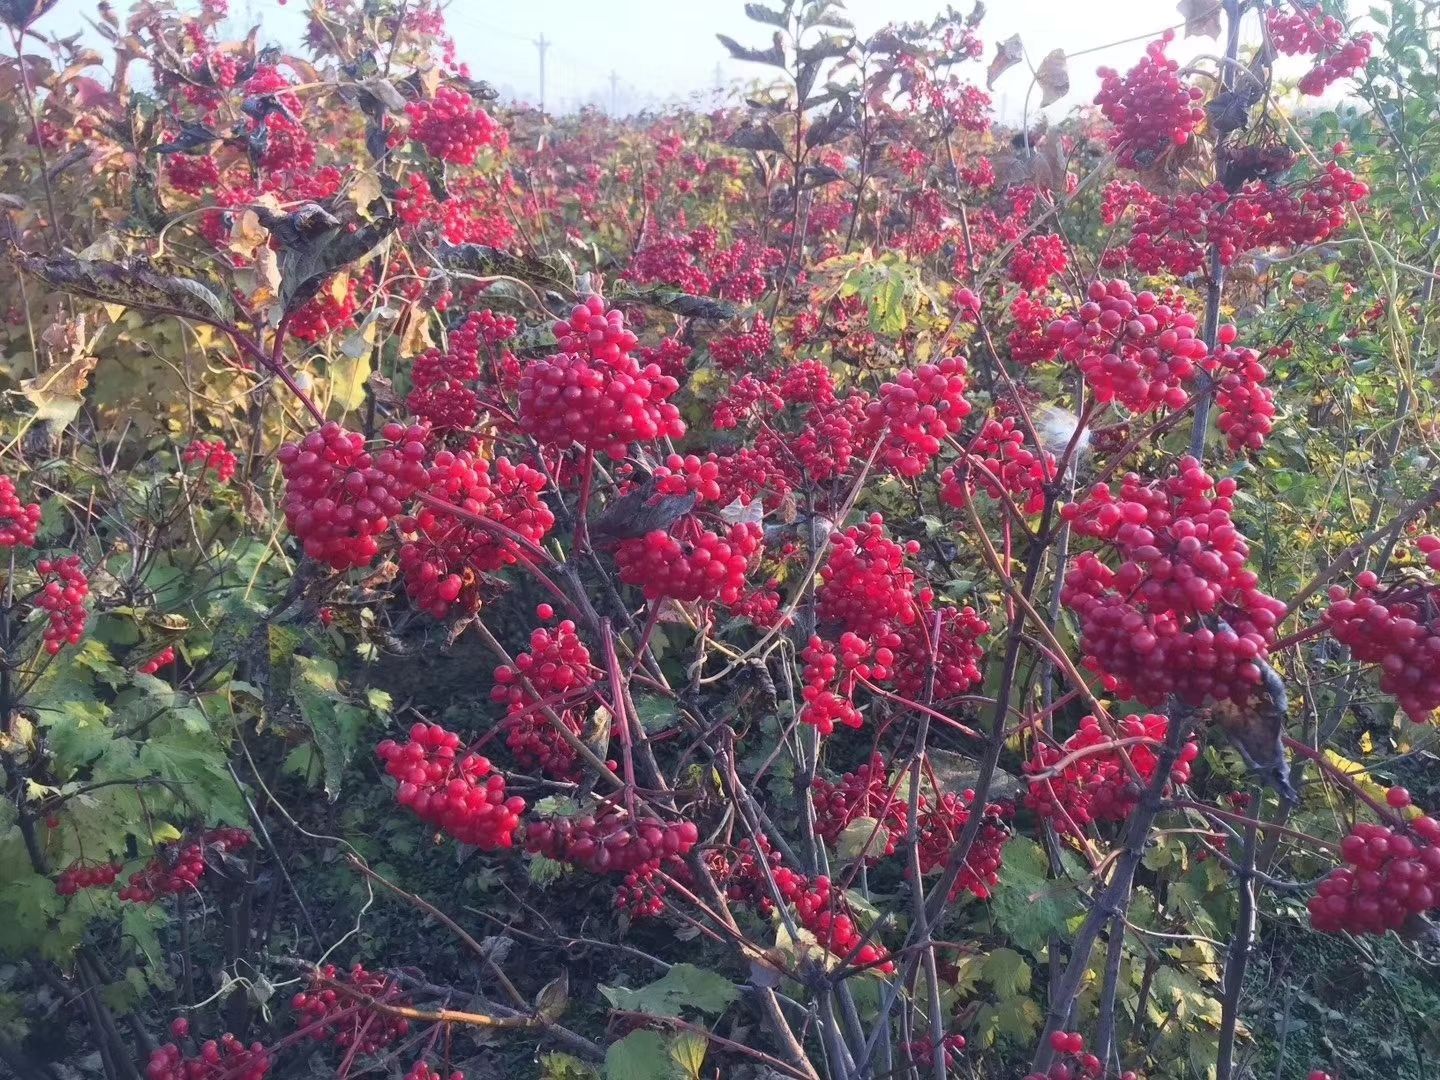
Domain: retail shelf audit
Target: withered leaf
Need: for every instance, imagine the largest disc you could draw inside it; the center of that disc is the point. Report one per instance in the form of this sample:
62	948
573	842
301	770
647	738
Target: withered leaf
1008	53
129	282
640	512
1053	77
1202	17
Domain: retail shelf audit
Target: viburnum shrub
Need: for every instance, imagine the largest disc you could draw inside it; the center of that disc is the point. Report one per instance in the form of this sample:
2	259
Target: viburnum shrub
830	585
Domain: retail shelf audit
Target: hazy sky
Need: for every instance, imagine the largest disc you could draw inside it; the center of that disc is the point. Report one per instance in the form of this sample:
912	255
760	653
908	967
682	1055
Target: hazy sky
665	49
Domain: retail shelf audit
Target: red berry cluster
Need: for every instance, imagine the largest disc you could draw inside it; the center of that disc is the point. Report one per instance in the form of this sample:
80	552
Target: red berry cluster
743	348
178	867
445	555
423	1070
1398	629
949	665
609	841
1035	263
922	1051
682	475
762	605
941	822
822	909
696	263
325	312
1390	876
998	462
594	394
828	688
452	127
1347	60
917	411
865	585
1146	626
86	876
164	658
865	793
226	1058
63	589
690	563
19	522
1247	409
211	455
1079	1066
335	1016
194	176
1097	786
1134	349
339	498
1150	107
1030	341
558	667
1303	32
457	794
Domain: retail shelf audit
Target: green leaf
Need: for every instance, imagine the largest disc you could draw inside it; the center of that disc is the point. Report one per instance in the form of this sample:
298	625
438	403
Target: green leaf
641	1055
1007	972
565	1067
335	723
1027	904
683	986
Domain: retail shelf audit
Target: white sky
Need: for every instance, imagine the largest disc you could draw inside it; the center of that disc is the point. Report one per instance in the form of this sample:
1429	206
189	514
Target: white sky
662	50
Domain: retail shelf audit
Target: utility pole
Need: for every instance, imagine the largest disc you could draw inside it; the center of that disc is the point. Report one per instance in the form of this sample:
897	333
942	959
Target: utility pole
614	82
541	45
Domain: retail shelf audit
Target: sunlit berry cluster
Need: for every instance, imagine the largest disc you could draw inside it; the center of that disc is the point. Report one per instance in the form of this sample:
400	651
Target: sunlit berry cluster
1179	613
455	792
1346	60
452	127
917	411
1305	31
594	394
164	658
1138	350
999	462
690	562
865	584
557	666
1391	875
19	521
1397	628
609	841
446	554
1150	107
331	309
1086	778
1247	408
225	1058
340	499
1038	261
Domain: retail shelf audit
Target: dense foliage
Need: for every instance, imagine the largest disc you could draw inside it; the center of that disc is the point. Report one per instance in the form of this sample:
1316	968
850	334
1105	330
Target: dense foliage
825	587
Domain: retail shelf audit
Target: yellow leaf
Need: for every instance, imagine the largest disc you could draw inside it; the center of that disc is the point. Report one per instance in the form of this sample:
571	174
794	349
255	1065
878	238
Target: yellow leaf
365	191
1367	743
347	380
56	389
339	287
